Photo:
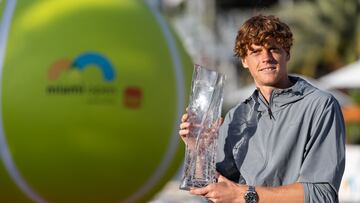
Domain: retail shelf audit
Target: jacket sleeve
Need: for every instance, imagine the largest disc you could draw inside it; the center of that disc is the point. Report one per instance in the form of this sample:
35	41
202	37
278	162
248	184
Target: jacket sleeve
324	155
319	193
225	161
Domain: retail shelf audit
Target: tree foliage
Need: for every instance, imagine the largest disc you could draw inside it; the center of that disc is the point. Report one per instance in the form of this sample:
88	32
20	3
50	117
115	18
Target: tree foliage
326	32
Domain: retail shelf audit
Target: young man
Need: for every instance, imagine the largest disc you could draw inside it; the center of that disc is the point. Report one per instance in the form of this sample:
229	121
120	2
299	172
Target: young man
286	142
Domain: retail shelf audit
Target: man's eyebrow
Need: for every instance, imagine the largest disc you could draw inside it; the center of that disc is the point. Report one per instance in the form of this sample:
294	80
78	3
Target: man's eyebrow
255	49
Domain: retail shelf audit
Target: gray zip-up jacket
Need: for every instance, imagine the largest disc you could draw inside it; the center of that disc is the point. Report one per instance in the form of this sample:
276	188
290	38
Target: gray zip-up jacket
298	136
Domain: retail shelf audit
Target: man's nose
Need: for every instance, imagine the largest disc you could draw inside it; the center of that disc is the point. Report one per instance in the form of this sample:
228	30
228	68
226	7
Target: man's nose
267	56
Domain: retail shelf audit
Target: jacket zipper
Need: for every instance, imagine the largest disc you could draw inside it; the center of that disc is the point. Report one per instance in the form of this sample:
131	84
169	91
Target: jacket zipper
271	116
269	106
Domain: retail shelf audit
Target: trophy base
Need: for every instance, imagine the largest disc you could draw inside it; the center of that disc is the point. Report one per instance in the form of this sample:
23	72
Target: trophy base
194	183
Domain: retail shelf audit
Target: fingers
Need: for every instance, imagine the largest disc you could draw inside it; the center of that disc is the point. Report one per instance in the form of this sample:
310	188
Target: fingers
184	129
184	117
183	133
207	192
184	125
199	191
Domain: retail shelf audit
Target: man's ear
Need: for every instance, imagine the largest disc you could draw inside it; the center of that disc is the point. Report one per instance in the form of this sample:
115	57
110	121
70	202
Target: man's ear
244	63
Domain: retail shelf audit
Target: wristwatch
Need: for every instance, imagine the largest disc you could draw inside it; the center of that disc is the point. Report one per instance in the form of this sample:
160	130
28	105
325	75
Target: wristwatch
251	195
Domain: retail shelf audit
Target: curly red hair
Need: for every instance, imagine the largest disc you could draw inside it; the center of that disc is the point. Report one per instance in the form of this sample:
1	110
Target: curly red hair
258	30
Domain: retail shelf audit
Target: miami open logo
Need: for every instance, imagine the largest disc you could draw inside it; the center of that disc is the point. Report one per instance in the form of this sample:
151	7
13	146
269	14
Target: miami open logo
80	63
104	92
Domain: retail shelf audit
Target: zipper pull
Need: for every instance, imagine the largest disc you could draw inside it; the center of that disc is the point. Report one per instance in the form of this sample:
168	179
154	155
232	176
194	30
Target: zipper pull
270	113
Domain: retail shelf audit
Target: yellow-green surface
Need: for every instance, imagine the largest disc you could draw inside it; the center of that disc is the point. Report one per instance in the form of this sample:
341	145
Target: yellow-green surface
87	147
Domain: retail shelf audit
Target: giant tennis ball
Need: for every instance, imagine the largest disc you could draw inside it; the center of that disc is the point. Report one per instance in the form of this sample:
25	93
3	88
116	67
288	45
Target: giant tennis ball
91	94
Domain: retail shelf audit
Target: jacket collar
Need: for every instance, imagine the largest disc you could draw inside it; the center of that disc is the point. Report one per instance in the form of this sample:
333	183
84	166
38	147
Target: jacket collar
282	97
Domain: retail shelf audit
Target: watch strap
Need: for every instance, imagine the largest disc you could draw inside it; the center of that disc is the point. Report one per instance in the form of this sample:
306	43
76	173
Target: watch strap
251	188
251	195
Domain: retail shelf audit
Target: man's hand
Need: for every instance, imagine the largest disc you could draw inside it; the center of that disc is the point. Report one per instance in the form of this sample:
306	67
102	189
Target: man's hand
207	136
224	191
184	131
184	126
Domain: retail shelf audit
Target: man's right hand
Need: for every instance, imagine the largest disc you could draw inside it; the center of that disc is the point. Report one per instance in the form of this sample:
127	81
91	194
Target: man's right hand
184	131
189	140
184	127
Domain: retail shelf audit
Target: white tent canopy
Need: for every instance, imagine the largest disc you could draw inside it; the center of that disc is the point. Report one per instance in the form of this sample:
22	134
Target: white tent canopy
347	77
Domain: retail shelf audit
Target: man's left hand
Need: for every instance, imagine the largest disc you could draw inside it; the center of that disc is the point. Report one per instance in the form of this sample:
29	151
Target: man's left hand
222	191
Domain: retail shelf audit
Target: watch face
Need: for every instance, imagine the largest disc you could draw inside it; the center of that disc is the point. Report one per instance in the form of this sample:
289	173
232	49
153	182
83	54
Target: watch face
250	197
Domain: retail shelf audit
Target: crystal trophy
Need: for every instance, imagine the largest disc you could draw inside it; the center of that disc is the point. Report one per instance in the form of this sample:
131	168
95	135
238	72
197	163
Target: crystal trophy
204	116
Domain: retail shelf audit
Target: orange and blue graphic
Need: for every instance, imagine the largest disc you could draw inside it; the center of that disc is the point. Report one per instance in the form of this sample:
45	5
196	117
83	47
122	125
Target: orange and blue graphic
80	63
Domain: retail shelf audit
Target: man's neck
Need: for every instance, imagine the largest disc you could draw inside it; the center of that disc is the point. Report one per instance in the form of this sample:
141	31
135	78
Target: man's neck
267	90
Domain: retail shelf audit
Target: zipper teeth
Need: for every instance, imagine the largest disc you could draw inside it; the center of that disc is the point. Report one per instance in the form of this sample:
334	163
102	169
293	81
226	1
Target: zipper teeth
271	99
267	137
270	105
